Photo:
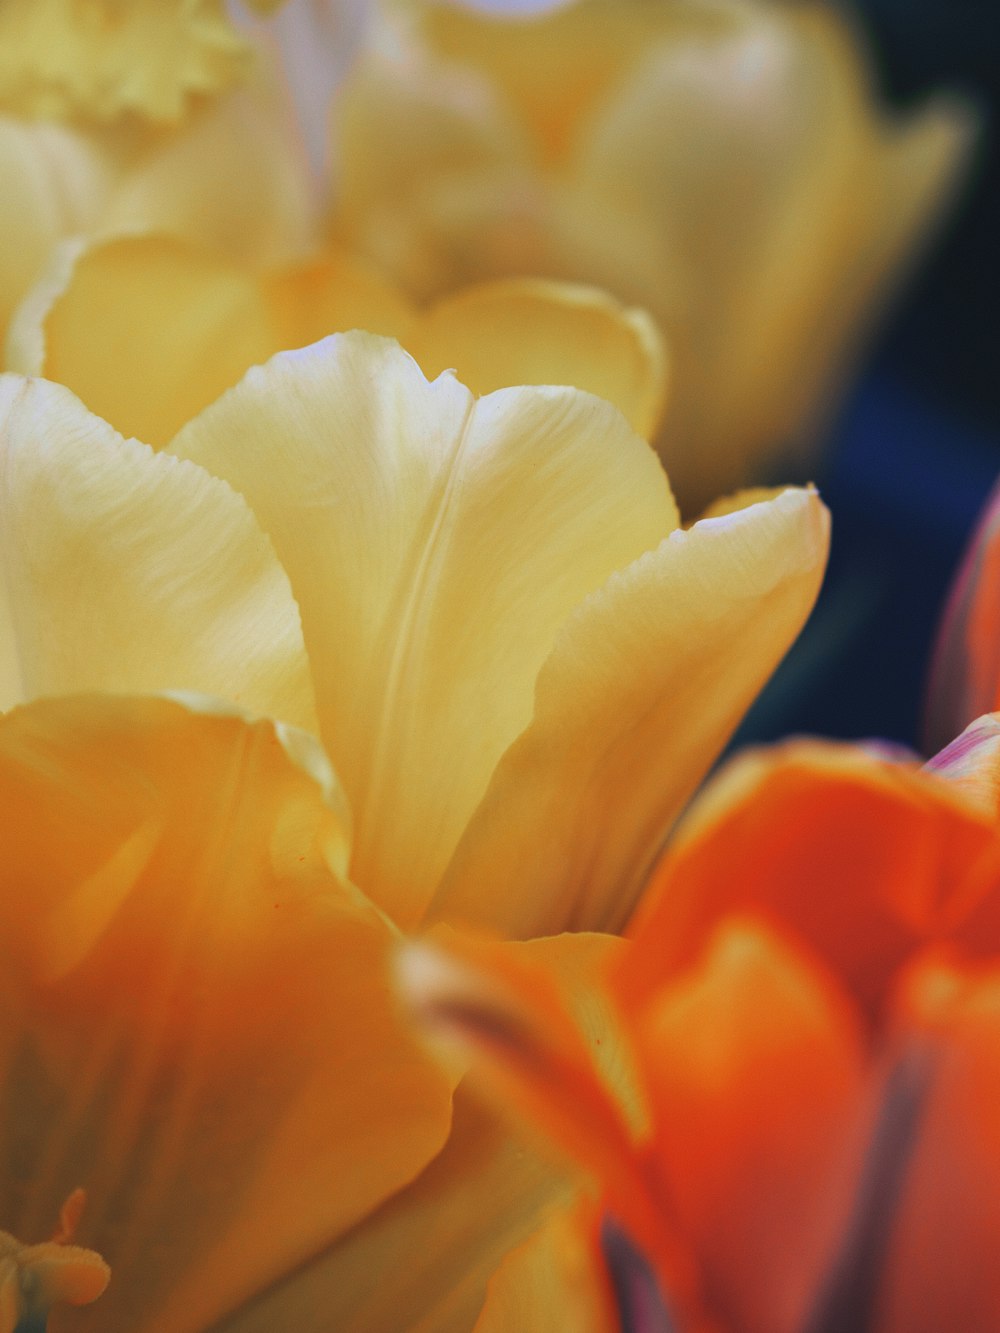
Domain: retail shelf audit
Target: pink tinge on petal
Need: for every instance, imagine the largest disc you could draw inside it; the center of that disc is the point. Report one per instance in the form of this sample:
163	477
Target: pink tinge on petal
972	761
965	668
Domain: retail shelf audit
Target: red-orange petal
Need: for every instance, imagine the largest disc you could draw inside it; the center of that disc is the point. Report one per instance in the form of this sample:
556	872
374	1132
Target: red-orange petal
858	859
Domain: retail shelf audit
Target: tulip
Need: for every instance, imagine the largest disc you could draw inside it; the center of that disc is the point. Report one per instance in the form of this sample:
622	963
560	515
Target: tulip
150	330
809	996
486	609
965	673
723	165
205	1079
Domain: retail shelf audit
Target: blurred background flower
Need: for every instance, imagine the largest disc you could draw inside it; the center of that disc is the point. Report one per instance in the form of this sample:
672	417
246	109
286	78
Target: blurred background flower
723	164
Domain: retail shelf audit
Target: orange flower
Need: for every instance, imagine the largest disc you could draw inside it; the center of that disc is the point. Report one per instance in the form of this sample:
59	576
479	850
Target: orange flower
198	1026
811	999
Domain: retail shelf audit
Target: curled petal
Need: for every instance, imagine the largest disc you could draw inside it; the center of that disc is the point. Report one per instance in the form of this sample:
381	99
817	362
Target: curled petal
506	1015
148	330
972	762
125	570
533	332
643	687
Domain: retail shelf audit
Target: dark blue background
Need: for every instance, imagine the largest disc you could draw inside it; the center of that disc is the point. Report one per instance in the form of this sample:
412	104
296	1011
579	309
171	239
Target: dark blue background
916	447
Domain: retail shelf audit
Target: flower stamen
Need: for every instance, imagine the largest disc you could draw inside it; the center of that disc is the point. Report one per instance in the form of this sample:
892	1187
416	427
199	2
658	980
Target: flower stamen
34	1278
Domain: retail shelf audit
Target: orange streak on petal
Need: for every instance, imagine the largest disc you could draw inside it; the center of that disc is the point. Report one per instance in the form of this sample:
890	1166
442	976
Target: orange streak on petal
509	1018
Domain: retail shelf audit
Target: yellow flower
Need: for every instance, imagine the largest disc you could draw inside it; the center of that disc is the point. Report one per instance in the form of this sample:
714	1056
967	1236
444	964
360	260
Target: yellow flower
519	664
200	1031
149	330
721	163
197	1026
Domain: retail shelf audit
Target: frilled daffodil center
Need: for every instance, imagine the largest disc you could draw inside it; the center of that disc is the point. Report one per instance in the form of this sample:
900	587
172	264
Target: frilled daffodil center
34	1278
101	59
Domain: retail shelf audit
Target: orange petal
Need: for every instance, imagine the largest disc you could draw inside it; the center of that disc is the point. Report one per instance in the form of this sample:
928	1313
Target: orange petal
859	859
430	1250
506	1015
551	1281
198	1023
755	1065
941	1272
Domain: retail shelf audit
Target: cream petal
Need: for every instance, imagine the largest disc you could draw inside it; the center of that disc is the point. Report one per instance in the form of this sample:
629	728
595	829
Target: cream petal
199	1028
643	688
234	176
54	183
532	332
435	544
128	571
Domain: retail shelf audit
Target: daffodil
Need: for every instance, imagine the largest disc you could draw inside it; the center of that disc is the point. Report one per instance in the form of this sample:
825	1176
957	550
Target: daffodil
122	117
519	664
722	163
811	999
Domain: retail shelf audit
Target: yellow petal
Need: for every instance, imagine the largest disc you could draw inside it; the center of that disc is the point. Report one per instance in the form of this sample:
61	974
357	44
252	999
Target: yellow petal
556	67
424	1259
198	1025
54	184
148	331
108	57
550	1281
758	150
412	139
233	177
643	688
122	570
532	332
428	1253
435	544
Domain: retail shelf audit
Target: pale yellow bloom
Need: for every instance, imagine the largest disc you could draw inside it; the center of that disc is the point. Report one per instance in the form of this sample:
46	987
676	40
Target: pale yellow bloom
518	662
150	330
722	163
